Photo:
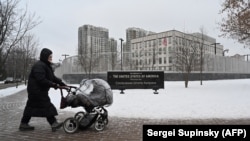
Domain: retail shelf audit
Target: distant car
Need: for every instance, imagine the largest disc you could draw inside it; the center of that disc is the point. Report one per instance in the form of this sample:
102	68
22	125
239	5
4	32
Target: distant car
9	80
18	80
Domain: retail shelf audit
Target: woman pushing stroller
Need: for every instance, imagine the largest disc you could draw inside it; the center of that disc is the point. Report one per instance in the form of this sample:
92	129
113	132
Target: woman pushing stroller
41	79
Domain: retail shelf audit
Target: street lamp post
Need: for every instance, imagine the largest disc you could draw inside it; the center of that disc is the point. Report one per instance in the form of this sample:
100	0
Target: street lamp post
121	51
215	47
65	55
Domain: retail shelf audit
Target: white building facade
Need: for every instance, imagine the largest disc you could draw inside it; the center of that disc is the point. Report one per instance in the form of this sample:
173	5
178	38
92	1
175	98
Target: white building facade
156	52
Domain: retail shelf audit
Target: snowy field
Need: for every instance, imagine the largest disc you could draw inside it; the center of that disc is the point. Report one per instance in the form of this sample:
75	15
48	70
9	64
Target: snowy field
214	99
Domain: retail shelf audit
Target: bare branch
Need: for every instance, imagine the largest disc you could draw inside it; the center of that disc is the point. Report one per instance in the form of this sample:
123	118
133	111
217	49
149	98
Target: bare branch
15	23
236	25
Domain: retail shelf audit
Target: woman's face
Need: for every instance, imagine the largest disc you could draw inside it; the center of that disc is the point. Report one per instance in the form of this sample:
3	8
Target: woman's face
50	58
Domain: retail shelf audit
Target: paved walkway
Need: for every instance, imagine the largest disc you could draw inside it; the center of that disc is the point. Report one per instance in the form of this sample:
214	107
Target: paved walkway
122	129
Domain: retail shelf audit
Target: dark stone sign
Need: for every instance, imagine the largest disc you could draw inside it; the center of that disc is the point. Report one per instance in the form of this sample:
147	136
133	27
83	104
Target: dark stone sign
122	80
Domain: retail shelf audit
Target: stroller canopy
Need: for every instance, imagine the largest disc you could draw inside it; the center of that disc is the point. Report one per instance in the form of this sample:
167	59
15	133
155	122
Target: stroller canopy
92	93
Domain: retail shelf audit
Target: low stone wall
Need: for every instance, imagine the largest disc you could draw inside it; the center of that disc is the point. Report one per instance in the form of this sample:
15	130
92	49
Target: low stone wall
76	78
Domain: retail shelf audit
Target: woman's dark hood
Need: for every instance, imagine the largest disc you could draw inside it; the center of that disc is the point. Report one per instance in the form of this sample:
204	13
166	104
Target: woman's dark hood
44	55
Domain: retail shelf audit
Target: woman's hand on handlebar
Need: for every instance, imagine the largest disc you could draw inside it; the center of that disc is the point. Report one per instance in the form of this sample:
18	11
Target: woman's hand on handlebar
63	87
68	88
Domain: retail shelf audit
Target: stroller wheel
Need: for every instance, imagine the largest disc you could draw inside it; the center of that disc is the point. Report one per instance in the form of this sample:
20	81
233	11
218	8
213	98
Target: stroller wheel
99	124
70	125
79	116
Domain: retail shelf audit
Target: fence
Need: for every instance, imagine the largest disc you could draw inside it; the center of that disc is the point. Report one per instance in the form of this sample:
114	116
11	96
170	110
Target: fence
215	67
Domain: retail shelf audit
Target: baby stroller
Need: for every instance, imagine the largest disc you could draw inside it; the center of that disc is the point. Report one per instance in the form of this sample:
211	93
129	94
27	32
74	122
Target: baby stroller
93	95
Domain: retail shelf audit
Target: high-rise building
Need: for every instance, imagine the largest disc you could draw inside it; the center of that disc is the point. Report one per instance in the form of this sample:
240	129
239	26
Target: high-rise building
91	37
95	47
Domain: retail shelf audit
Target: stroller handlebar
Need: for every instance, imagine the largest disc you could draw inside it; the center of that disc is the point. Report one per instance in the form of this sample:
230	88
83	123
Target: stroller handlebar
68	88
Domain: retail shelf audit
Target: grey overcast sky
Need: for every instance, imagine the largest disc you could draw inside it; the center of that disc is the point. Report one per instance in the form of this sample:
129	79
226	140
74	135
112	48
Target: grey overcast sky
62	18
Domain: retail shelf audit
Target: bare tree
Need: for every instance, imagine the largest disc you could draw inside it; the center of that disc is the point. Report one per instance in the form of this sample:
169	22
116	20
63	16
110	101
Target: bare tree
202	30
113	59
185	56
134	63
141	56
236	24
14	24
21	59
88	59
112	54
28	45
154	55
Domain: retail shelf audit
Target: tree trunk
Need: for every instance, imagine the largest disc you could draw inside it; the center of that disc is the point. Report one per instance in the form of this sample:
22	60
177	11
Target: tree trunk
186	83
186	79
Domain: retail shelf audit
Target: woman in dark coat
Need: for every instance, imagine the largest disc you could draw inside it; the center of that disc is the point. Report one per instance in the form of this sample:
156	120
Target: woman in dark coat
41	79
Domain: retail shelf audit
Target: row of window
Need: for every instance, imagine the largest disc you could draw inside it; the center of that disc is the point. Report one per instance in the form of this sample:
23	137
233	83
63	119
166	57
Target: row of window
148	52
150	61
163	68
176	41
152	43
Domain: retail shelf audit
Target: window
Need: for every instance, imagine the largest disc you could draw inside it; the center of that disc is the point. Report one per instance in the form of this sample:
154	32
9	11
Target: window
143	44
170	50
133	46
160	50
150	52
159	41
170	68
170	60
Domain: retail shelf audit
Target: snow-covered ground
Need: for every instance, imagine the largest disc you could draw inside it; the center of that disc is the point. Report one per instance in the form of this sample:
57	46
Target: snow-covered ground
10	90
214	99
